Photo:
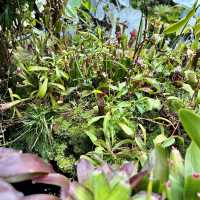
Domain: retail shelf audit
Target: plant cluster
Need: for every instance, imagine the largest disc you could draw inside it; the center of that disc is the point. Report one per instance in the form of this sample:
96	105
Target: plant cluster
81	84
164	175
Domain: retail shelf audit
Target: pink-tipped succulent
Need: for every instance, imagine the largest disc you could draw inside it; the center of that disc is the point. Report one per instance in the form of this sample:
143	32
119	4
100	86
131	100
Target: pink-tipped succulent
16	166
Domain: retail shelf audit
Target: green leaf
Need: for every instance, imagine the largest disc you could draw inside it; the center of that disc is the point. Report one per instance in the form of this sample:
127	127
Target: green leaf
100	186
91	133
119	192
129	130
144	133
159	159
94	119
57	85
37	68
198	97
191	124
192	161
159	139
178	25
140	143
121	143
192	187
43	88
168	142
146	104
188	89
107	127
82	193
176	176
192	172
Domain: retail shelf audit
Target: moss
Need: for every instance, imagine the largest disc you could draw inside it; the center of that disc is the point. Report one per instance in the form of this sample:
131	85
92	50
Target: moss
65	162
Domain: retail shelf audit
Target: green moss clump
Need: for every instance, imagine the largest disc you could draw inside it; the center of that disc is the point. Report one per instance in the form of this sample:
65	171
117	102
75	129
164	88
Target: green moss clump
65	162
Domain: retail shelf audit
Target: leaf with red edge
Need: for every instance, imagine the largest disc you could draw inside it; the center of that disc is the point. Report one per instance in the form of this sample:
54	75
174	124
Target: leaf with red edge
40	197
16	167
135	180
55	179
8	192
129	168
52	179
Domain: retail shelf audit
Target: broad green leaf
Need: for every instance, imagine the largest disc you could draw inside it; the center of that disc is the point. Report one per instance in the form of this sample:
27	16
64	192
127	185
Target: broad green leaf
140	143
64	75
122	142
188	89
82	193
192	187
130	131
61	73
168	142
53	101
175	189
94	119
177	26
159	161
91	133
146	104
191	124
175	103
37	68
192	172
43	88
159	139
164	141
191	76
192	161
70	90
57	85
176	176
120	191
177	165
100	186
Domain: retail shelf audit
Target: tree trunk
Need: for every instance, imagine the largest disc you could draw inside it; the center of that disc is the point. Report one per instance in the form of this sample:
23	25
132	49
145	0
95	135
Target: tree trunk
4	62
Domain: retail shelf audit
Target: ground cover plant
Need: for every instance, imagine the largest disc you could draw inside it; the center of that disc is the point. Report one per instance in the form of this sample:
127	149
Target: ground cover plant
164	175
83	80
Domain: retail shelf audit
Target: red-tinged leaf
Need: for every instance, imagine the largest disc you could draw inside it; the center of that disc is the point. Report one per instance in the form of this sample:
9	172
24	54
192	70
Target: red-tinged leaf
15	167
135	180
129	168
84	170
8	192
40	197
52	179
